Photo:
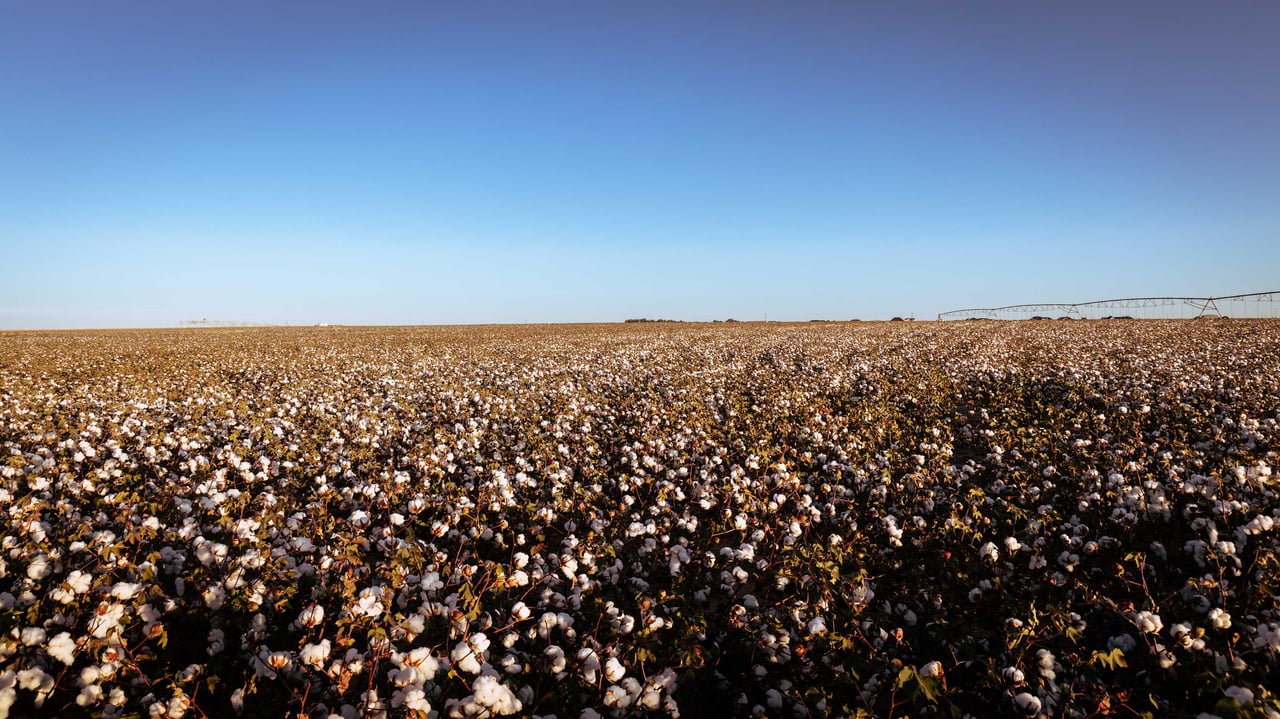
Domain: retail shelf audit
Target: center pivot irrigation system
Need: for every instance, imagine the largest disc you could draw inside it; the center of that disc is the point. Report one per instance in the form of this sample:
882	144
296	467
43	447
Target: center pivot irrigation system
1253	304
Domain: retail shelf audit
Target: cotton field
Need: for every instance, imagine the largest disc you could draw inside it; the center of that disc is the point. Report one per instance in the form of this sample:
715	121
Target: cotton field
1059	519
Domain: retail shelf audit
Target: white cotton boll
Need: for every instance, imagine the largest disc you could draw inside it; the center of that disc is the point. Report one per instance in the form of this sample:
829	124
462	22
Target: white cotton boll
315	655
279	660
1013	675
431	582
546	623
105	621
1219	619
817	625
7	693
613	670
369	603
1046	661
932	670
989	552
413	698
35	679
125	590
32	636
519	611
39	568
63	648
1181	633
217	642
214	597
149	614
1147	622
416	657
617	697
511	664
678	556
89	696
464	658
1268	637
495	696
78	581
1240	694
311	616
590	662
555	658
626	624
1027	703
401	677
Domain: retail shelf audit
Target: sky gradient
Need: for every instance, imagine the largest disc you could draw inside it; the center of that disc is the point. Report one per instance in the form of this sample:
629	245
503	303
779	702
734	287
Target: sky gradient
423	163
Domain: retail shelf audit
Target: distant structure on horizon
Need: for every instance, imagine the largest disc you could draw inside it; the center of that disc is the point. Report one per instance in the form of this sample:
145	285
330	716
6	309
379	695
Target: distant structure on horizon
1249	305
222	323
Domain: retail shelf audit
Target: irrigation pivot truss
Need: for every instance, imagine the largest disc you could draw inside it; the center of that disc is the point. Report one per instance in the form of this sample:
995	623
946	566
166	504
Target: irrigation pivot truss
1253	304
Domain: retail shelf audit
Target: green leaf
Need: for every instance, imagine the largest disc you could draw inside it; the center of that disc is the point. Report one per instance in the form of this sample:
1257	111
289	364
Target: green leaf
1227	708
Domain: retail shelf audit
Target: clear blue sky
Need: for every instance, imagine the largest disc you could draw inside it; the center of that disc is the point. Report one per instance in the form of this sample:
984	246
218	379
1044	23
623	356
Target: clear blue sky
416	162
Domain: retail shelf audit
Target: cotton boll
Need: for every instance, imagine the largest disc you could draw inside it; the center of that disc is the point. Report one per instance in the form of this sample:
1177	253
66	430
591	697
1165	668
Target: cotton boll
311	616
1240	694
125	590
1219	619
617	697
519	611
32	636
817	626
989	552
63	648
465	658
556	661
613	670
315	655
495	696
1147	622
1027	704
589	661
